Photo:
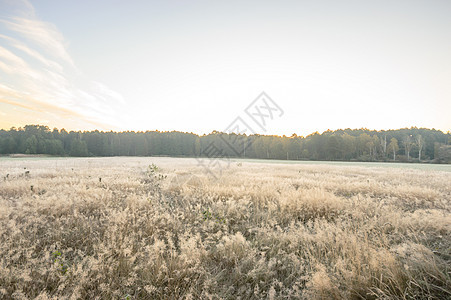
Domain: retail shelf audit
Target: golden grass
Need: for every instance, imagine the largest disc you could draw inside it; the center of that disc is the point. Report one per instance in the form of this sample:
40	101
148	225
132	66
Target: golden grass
260	231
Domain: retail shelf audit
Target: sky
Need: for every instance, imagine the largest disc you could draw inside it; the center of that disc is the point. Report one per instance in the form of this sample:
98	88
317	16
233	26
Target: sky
198	66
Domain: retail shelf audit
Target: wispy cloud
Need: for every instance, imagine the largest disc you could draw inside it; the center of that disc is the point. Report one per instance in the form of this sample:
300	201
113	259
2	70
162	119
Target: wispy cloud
43	34
18	99
38	73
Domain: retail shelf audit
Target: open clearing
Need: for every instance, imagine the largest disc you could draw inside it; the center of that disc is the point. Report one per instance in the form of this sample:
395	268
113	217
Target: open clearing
115	228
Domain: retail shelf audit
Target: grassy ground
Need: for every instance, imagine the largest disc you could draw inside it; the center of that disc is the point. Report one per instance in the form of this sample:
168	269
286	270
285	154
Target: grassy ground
115	228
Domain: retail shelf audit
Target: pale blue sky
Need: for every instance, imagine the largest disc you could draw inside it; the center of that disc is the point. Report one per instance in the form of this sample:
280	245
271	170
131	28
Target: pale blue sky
196	65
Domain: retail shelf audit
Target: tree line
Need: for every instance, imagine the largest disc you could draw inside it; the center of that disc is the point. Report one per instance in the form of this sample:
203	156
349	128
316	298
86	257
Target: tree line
404	145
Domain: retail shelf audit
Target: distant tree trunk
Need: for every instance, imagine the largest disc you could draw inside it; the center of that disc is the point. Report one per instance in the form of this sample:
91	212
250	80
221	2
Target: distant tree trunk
384	145
420	145
407	146
393	146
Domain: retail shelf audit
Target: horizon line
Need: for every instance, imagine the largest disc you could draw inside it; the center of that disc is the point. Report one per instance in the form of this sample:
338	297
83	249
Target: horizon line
217	131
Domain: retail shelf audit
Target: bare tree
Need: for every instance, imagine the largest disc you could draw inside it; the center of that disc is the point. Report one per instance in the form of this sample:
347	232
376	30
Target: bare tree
393	146
420	144
384	145
407	145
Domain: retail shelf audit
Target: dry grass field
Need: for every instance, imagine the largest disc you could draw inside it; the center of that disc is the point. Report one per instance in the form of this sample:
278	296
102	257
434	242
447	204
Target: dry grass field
113	228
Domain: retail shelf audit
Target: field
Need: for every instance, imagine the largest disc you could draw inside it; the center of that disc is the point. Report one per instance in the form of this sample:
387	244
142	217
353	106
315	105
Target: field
163	228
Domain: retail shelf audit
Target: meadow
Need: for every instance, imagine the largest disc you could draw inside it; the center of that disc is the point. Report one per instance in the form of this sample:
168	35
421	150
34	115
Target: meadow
163	228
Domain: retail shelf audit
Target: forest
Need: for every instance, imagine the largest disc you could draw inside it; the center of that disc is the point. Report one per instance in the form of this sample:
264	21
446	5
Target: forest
401	145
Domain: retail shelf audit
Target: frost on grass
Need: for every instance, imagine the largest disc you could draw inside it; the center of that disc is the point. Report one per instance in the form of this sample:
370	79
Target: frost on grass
160	228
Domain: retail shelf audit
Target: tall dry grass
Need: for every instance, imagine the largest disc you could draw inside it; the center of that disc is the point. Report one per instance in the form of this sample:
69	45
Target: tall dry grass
261	231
